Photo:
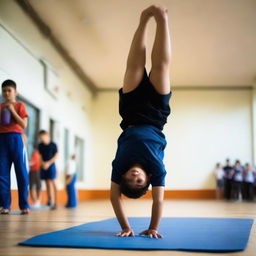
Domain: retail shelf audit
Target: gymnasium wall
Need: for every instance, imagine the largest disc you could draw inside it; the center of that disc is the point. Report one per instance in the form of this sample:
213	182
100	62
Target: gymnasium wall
205	126
22	48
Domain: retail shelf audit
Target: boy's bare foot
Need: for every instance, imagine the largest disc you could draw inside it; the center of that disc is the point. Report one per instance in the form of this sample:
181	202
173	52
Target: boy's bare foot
159	13
146	14
4	211
24	211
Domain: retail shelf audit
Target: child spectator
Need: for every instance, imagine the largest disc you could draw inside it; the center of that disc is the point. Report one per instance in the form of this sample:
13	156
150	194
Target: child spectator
228	169
219	175
237	181
49	153
12	149
248	182
70	182
34	178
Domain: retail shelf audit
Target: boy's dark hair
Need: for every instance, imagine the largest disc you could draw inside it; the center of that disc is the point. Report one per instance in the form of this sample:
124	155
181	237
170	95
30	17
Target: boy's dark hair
9	82
133	192
42	132
238	161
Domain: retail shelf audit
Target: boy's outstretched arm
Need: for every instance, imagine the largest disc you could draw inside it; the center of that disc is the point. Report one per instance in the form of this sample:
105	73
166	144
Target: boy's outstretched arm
116	200
156	214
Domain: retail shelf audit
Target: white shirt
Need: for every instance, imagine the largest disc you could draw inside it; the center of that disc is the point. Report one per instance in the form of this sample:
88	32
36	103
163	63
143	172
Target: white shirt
238	174
249	177
219	173
71	167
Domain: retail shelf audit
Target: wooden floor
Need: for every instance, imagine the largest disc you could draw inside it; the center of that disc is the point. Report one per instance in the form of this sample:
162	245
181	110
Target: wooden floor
16	228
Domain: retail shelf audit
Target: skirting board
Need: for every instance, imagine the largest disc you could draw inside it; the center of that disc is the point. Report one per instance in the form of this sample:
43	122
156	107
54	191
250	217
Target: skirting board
84	194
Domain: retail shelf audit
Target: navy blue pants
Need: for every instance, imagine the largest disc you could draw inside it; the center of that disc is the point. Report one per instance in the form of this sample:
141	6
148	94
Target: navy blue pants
71	192
12	150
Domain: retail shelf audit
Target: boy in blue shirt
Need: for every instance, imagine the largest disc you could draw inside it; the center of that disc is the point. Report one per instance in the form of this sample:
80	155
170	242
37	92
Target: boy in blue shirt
49	153
12	149
144	108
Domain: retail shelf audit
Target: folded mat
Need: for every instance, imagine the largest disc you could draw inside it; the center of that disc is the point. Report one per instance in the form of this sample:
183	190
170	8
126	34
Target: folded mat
190	234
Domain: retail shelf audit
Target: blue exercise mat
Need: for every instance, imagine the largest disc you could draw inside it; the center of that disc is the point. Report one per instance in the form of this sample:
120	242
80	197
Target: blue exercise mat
190	234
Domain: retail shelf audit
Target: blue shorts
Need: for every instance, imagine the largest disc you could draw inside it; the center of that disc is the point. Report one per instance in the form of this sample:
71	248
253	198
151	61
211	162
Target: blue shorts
220	183
50	173
144	105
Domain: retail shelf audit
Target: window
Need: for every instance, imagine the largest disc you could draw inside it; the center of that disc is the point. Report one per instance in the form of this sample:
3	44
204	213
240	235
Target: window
33	125
79	149
52	129
66	146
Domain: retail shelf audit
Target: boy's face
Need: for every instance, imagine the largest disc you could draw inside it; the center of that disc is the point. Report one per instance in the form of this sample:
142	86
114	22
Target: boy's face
136	177
9	93
44	138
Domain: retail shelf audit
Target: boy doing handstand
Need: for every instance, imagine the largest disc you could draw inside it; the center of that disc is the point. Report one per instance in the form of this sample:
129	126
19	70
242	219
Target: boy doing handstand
144	108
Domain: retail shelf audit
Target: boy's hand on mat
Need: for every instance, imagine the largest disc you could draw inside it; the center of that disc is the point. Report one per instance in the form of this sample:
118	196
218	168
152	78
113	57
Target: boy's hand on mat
126	232
151	233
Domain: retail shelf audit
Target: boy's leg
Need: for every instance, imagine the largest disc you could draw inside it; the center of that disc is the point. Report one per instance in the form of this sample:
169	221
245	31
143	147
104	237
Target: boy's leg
161	52
31	186
5	168
5	182
54	189
137	55
38	187
38	195
32	195
48	191
21	172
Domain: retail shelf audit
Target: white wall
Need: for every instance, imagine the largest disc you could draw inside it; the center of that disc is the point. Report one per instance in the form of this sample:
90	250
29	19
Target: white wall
105	123
205	126
72	107
254	121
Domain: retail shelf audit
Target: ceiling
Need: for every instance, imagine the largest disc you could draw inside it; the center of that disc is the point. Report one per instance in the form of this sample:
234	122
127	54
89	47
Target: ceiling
213	41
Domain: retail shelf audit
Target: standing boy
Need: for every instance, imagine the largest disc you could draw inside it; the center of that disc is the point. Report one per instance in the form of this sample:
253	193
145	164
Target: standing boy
144	108
249	174
49	153
71	182
219	176
34	177
12	148
236	188
228	179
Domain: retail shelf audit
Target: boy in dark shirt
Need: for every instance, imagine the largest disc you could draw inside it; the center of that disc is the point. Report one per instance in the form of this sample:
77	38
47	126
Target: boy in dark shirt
49	153
144	108
228	179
